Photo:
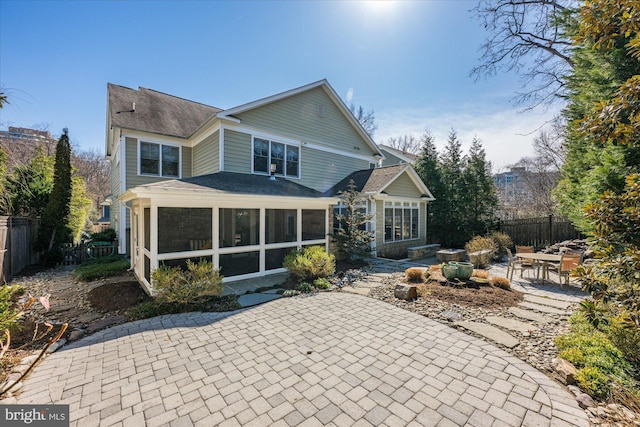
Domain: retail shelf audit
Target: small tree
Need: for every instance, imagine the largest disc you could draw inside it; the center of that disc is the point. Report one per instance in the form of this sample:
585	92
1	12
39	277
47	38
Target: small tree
54	230
352	238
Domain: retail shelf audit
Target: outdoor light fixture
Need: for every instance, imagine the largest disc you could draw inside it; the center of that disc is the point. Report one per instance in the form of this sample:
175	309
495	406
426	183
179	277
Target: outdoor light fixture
272	168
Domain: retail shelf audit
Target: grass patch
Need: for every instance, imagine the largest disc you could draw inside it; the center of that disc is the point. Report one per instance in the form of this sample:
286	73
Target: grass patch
101	268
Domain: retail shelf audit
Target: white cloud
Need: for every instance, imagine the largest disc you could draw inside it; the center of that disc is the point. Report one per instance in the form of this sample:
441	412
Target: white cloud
506	135
349	95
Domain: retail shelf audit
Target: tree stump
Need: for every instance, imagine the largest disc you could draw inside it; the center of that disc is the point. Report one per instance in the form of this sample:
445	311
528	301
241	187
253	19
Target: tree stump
405	292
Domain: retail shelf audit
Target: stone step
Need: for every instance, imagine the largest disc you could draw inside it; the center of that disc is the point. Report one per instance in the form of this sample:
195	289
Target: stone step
529	315
511	324
543	308
551	302
359	291
491	332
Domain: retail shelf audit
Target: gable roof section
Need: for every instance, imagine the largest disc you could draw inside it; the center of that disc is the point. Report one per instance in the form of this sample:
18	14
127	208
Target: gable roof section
406	157
155	112
226	183
375	181
324	84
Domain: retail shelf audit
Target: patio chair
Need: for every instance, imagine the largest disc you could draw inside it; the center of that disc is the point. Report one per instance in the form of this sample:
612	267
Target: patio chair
567	264
515	264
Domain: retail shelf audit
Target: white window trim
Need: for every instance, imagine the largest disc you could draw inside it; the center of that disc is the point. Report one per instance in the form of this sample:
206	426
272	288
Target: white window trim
341	206
286	144
160	143
399	204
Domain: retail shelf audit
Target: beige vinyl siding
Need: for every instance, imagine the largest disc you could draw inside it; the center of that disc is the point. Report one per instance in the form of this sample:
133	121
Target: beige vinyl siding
299	117
403	186
133	179
379	226
237	152
186	162
321	170
206	155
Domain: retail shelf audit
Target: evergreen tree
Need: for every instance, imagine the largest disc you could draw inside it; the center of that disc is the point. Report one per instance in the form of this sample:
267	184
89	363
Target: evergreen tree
480	197
593	166
428	168
27	188
352	238
54	229
453	223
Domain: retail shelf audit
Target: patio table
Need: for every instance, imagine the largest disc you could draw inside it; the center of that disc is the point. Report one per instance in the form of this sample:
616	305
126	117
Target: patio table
539	259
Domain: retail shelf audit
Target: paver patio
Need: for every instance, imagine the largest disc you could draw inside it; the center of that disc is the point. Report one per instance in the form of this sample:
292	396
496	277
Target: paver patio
326	359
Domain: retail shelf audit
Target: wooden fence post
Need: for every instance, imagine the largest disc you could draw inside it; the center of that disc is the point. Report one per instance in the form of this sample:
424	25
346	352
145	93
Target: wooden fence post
551	239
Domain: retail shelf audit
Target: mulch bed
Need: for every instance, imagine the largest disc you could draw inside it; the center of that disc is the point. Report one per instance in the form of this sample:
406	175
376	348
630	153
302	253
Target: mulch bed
117	296
489	297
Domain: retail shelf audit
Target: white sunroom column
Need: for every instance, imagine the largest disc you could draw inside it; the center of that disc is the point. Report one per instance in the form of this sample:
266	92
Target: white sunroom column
215	240
299	226
154	236
262	239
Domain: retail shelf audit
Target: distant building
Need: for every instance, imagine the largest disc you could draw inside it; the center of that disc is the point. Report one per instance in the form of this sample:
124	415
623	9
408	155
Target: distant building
20	144
523	193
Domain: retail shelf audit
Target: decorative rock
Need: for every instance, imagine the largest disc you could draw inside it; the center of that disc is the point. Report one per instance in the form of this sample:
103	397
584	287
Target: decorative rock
76	334
451	315
565	370
55	346
575	390
585	401
29	360
20	369
405	292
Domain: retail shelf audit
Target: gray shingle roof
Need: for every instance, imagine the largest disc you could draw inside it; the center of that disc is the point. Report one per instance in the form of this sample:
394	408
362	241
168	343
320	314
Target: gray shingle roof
368	180
156	112
238	183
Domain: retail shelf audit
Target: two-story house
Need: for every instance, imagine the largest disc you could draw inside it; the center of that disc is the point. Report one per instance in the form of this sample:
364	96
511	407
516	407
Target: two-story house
244	186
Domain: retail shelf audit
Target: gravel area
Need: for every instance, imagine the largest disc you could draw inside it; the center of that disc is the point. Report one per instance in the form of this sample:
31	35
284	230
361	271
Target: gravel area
536	347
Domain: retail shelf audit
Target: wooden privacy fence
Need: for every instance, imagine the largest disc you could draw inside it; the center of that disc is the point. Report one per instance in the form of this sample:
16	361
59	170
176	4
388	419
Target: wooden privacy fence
539	232
16	245
86	251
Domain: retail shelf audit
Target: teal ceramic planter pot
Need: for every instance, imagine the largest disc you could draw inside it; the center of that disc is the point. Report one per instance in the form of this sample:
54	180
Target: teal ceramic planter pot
450	271
464	270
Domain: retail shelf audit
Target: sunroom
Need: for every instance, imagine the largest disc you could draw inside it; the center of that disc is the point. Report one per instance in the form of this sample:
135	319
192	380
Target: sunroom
244	224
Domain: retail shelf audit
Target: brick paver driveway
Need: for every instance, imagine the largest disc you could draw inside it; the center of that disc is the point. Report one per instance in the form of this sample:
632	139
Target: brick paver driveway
326	359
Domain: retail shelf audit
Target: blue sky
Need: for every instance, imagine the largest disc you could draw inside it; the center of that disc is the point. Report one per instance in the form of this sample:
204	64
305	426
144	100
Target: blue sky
407	61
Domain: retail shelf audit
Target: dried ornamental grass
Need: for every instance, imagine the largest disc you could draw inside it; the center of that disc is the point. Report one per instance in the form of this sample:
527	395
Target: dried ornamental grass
414	274
434	267
482	274
501	282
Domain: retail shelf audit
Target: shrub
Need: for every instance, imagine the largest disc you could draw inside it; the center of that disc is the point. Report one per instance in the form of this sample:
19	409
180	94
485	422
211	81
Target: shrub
108	235
8	311
322	283
304	287
479	243
102	267
310	263
598	362
625	338
414	274
482	274
175	285
501	282
503	242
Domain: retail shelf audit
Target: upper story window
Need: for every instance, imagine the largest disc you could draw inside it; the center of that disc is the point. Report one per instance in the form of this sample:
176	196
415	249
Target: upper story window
159	160
286	158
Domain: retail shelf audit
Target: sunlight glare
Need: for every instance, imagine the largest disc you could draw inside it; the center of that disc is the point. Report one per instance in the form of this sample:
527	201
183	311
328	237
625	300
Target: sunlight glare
379	6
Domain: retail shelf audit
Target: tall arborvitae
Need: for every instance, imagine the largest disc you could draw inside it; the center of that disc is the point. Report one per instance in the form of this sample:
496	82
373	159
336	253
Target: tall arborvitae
480	196
54	229
428	168
453	227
